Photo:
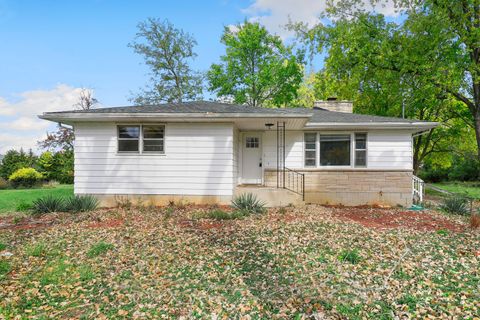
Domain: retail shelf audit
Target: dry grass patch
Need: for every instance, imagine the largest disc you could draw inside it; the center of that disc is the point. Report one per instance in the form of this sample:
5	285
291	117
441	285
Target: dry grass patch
289	263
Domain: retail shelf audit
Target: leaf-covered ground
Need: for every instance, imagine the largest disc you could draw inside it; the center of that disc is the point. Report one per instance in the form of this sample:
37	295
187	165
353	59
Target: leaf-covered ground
308	263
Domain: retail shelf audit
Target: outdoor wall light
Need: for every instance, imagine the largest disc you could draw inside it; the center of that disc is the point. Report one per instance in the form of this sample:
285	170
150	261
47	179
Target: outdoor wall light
269	125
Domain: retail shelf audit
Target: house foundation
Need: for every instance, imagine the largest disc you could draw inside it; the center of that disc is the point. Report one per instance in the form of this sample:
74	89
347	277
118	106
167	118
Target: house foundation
354	187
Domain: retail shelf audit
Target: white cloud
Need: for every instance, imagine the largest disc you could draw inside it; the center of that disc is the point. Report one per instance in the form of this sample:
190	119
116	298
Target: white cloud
19	124
275	14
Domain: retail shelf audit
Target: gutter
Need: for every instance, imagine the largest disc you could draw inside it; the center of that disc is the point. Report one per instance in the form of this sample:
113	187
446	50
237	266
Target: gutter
52	116
371	125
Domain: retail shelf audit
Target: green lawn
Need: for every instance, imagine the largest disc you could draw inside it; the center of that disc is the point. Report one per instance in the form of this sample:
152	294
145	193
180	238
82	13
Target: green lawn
471	189
10	199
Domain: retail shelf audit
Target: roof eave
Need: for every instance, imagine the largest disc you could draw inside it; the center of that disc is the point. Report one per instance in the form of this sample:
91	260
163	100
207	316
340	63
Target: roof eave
372	125
74	117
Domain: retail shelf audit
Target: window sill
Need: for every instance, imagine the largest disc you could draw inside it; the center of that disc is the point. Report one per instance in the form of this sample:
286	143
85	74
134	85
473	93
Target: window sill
140	154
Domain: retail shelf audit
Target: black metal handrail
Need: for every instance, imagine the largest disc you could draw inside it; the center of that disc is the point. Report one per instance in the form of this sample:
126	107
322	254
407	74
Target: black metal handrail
295	182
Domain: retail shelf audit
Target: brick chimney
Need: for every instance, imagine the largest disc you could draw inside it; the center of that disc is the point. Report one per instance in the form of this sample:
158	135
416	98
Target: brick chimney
332	104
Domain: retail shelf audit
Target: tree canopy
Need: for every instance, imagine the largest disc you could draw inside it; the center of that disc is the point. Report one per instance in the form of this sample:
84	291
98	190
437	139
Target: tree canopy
168	52
257	68
409	69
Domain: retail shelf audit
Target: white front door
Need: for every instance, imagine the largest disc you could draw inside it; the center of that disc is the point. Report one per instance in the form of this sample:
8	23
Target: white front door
252	158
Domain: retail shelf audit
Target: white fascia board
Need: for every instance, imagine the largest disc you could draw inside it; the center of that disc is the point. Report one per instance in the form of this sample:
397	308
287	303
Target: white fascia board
372	125
72	117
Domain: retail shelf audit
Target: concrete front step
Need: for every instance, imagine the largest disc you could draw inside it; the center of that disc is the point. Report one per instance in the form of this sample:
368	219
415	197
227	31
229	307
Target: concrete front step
272	197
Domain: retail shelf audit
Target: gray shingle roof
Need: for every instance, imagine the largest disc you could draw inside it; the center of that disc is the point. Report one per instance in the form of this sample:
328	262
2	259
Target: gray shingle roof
319	115
184	107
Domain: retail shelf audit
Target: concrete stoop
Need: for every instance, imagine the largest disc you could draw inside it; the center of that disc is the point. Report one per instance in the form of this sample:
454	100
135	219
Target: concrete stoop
272	197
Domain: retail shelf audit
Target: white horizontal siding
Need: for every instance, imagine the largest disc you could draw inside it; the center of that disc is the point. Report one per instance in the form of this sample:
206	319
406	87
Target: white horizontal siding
293	149
198	160
386	149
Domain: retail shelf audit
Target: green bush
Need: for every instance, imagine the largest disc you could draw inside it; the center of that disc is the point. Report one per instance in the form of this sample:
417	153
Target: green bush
456	205
248	203
3	184
431	174
48	204
63	167
465	168
14	160
81	203
462	168
25	177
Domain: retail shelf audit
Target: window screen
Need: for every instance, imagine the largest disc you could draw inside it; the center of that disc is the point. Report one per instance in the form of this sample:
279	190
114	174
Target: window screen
153	138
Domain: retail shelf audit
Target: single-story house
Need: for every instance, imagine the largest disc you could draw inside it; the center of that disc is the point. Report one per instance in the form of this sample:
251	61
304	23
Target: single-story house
208	152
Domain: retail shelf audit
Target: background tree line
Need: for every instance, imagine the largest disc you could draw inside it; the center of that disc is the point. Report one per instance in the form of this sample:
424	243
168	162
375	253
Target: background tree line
424	66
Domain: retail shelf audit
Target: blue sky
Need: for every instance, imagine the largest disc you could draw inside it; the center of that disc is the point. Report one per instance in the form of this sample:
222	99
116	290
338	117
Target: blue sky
84	43
50	49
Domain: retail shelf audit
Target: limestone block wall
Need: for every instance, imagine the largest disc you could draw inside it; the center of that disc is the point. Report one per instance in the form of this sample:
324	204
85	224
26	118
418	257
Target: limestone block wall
354	187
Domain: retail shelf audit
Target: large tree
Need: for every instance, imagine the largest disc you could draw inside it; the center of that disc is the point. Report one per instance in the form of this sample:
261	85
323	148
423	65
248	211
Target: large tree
387	69
257	68
168	52
446	55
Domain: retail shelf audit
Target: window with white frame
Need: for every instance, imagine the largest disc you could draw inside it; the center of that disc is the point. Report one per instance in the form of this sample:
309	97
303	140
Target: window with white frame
128	138
310	149
335	149
360	149
141	138
153	138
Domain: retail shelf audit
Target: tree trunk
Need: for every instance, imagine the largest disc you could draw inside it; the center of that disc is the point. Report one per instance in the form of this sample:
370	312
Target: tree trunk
416	153
477	133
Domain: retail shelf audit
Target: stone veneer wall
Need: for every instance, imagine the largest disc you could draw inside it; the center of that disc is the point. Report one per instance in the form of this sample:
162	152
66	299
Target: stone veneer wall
354	187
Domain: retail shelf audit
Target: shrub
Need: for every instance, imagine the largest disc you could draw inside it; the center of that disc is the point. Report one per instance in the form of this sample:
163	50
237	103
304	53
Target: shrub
3	184
25	177
99	248
14	160
63	164
431	174
351	256
48	204
81	203
455	204
248	203
465	168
